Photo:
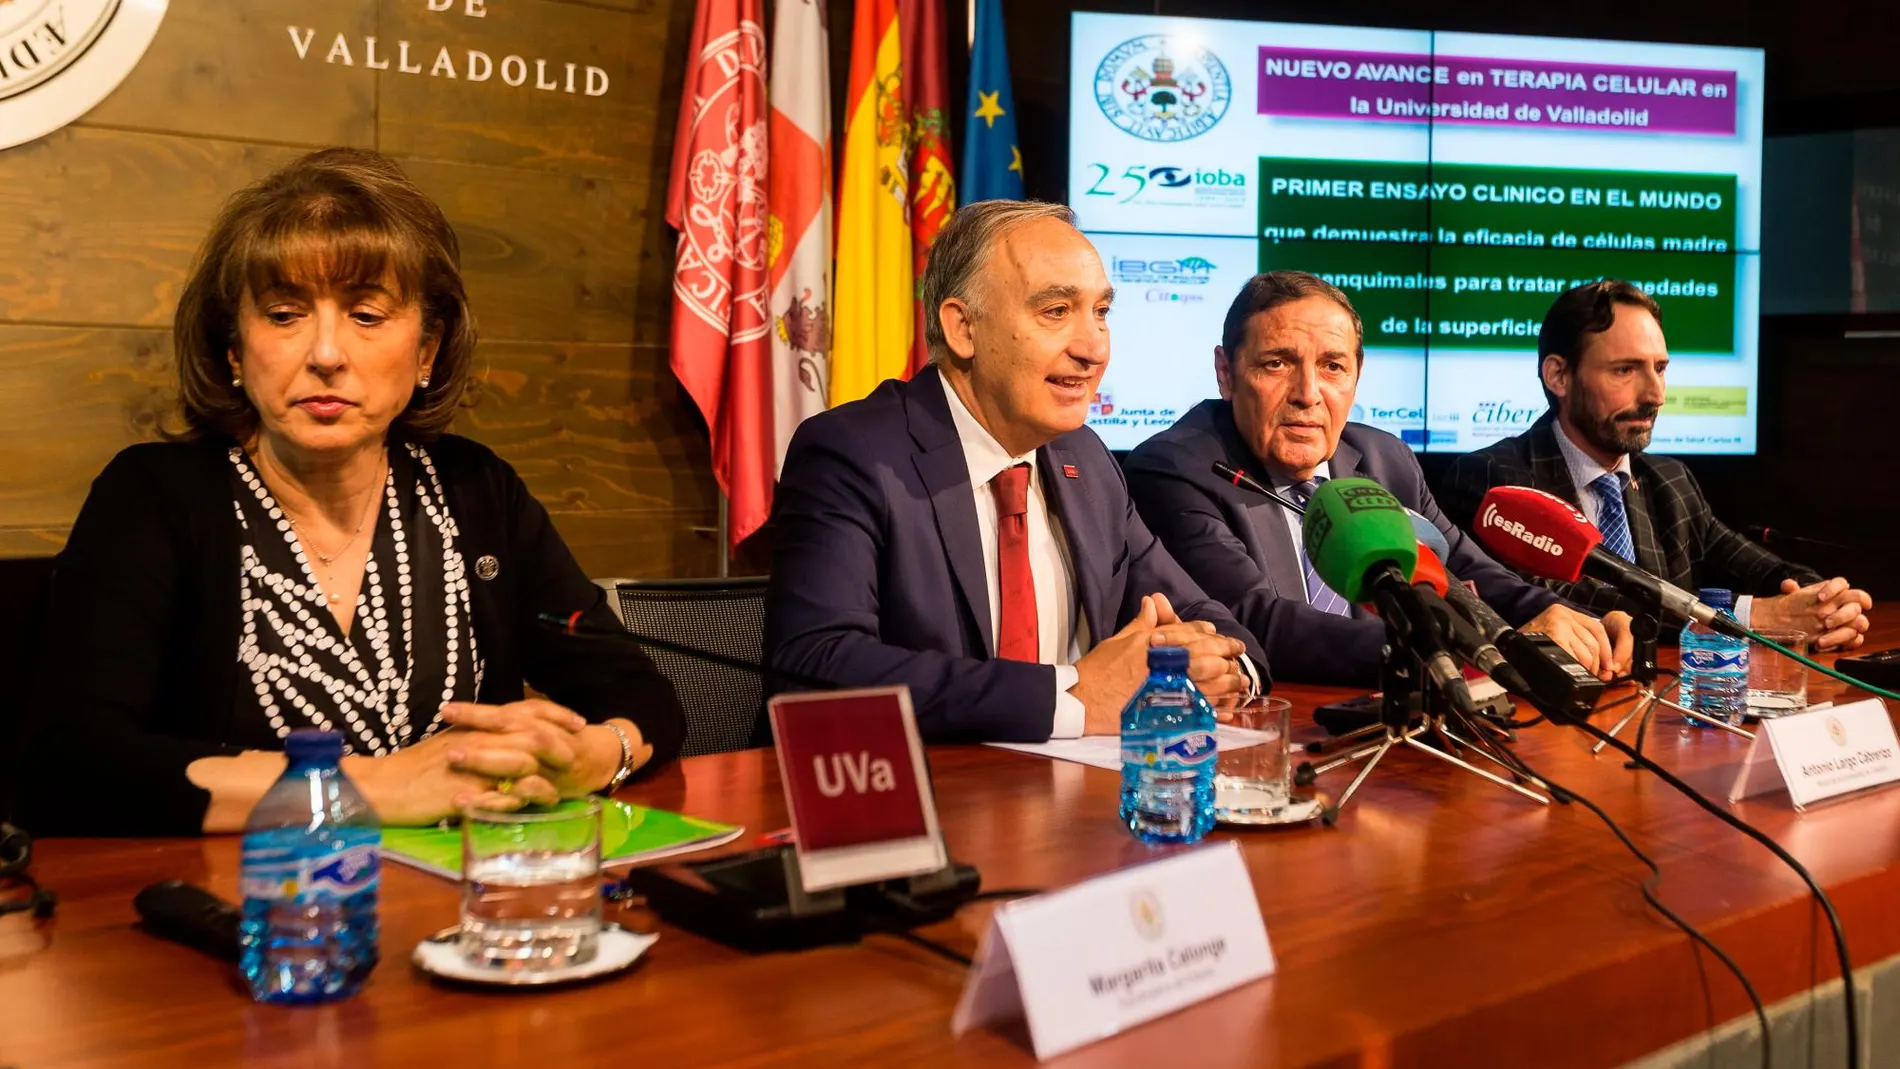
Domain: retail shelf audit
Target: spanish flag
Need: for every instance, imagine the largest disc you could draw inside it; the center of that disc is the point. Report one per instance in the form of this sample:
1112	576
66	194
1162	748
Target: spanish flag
872	332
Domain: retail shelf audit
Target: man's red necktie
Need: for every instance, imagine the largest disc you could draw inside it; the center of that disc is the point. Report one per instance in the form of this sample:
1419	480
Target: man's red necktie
1016	632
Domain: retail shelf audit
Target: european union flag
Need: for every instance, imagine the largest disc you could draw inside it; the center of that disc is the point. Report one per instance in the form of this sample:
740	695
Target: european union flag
992	164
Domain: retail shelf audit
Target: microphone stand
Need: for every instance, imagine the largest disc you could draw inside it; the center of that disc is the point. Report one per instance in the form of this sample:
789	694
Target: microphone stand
1405	692
1646	628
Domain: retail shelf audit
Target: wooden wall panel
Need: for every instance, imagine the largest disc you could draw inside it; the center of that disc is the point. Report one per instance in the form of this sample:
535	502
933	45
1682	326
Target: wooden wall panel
230	70
591	427
434	115
551	257
89	393
100	225
557	200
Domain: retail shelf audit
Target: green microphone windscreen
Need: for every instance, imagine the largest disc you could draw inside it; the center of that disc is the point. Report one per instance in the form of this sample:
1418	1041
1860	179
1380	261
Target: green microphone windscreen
1352	526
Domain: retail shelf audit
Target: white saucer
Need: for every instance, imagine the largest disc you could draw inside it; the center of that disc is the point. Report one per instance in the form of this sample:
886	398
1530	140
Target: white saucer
617	949
1299	811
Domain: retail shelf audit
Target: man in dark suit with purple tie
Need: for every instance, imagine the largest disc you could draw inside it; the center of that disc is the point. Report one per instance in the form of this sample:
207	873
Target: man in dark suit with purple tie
963	533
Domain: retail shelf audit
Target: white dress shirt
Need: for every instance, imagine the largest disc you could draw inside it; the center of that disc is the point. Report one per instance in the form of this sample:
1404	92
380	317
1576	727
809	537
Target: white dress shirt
1062	632
1585	470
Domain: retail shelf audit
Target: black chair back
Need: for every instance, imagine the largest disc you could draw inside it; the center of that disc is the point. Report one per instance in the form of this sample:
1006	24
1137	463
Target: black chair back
724	706
25	585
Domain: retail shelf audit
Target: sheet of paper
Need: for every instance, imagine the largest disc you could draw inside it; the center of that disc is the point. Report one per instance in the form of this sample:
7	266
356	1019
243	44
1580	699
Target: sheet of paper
1105	751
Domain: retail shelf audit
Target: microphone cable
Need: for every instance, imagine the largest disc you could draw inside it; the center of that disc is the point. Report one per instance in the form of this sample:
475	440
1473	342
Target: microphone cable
1649	888
1848	1007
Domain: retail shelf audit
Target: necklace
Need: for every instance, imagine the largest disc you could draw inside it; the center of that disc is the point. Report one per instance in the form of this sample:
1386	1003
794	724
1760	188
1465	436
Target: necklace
329	578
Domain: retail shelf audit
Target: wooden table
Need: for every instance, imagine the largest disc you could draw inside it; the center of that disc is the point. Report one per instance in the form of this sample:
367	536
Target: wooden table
1444	922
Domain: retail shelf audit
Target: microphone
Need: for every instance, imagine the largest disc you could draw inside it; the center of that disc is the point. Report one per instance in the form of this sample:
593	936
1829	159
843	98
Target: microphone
1544	535
1361	545
573	624
1473	644
184	913
1530	666
1247	482
1775	536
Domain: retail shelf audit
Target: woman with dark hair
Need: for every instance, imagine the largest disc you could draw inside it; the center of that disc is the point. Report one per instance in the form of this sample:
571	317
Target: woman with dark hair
314	551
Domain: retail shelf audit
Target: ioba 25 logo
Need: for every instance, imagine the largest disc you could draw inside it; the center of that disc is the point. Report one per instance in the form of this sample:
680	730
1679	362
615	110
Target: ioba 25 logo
1169	185
1160	88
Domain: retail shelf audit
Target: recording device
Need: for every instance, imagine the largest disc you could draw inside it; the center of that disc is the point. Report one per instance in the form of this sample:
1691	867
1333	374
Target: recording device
756	901
188	914
16	853
1543	535
1361	545
1880	669
1534	667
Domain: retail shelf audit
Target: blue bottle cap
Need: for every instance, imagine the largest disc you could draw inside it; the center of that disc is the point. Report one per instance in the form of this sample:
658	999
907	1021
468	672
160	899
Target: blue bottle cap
309	745
1167	659
1717	598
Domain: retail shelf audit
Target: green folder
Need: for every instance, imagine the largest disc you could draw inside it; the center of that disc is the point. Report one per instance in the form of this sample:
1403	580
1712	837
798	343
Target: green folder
629	834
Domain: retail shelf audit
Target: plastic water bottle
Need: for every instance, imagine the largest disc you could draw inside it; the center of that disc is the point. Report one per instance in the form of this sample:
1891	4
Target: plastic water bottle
1714	667
312	862
1168	754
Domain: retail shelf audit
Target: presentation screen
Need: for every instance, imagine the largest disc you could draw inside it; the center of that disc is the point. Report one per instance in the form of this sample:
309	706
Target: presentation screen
1452	184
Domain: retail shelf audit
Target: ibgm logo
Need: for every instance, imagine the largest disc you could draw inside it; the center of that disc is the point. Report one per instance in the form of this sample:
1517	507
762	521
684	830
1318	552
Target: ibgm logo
1186	271
1516	530
1159	88
58	58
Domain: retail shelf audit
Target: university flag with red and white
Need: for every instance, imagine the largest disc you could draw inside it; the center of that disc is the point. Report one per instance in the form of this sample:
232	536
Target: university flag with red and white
716	199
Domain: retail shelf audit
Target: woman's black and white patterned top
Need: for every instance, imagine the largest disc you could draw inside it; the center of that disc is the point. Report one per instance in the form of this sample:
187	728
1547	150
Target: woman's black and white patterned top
411	645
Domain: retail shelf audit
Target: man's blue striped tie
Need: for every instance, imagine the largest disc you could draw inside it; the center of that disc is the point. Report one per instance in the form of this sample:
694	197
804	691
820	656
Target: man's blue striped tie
1318	594
1612	520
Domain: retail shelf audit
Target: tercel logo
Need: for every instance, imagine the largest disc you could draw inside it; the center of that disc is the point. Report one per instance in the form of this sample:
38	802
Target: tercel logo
1519	531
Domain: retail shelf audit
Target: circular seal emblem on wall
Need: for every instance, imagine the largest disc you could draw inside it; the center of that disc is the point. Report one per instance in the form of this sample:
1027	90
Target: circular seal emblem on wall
1162	88
58	58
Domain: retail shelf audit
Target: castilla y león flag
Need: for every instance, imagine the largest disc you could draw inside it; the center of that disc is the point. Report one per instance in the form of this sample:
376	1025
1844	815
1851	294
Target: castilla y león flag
716	199
798	240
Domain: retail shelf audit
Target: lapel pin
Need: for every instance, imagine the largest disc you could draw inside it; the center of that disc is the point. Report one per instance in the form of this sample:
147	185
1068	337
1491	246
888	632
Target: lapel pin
1068	471
487	567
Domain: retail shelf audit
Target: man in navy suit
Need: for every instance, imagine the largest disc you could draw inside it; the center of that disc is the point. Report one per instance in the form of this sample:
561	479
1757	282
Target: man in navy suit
964	534
1291	353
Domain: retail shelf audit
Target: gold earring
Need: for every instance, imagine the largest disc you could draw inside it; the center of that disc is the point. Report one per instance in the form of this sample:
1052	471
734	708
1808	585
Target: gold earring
237	379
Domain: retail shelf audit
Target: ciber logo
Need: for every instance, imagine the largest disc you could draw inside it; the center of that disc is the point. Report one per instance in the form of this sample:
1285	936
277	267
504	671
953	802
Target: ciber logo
1502	412
1520	532
1160	88
1186	271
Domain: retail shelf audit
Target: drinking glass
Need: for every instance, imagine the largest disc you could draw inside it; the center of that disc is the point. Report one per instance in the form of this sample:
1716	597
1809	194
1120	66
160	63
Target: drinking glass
1252	783
1778	685
531	886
